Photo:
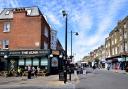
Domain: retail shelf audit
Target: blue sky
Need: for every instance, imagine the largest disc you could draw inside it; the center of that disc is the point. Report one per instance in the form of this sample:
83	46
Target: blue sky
93	19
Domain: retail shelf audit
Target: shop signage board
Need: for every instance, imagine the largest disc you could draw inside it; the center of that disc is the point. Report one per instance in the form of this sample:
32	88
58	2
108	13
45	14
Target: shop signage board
24	52
55	52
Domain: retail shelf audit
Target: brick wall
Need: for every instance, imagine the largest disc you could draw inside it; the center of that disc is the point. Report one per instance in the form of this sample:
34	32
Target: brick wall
25	31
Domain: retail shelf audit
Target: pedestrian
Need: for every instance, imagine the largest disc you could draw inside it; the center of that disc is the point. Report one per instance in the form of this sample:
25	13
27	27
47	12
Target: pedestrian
94	67
75	73
19	71
84	71
34	71
29	72
38	69
108	67
126	69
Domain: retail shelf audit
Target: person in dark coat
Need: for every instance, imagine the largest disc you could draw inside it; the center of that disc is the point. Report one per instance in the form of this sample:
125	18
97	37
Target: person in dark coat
29	72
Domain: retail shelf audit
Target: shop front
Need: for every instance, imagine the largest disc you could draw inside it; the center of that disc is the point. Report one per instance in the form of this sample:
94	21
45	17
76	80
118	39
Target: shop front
12	59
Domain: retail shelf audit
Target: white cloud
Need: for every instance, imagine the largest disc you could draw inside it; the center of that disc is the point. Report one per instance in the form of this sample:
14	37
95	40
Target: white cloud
53	19
14	3
93	41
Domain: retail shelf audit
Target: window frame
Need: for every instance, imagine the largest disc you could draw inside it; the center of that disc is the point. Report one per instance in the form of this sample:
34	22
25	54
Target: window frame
5	43
45	45
7	27
29	11
46	31
7	12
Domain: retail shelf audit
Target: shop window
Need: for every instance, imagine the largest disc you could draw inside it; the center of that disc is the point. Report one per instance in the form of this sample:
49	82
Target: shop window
21	62
44	61
28	62
35	62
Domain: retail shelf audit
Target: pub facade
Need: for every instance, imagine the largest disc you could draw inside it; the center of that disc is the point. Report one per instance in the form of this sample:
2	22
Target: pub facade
24	39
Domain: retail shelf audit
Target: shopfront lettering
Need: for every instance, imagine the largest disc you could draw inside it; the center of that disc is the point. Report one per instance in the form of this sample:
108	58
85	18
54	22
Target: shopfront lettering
14	53
33	52
2	53
24	52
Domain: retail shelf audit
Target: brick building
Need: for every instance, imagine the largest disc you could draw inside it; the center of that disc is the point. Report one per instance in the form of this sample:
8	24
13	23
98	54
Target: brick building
116	46
24	38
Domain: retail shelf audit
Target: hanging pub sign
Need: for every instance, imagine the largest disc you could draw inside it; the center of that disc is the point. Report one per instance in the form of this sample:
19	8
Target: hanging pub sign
54	62
24	52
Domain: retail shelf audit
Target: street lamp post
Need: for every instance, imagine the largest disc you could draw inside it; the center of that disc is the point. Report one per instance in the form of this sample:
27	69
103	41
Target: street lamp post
65	69
76	33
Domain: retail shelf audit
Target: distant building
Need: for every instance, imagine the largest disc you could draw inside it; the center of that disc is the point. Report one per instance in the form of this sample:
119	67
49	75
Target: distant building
115	49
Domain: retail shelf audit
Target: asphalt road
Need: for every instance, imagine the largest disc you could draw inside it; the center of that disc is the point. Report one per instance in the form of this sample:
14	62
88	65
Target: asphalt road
101	79
98	79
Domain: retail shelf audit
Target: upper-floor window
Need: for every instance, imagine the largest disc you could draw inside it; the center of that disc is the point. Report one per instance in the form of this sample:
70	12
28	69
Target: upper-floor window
5	44
45	45
46	31
116	51
126	46
106	45
115	40
113	51
120	30
121	48
6	27
125	25
120	38
112	42
109	53
29	11
7	12
125	35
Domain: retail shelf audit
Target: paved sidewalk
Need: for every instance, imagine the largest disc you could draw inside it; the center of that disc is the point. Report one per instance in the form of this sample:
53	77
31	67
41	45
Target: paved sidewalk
47	81
116	71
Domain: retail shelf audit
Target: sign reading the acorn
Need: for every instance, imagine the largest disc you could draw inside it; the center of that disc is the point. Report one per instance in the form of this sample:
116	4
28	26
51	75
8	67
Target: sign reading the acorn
24	52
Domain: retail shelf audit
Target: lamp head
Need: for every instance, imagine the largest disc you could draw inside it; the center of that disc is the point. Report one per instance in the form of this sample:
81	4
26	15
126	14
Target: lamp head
64	13
60	56
51	55
76	33
5	56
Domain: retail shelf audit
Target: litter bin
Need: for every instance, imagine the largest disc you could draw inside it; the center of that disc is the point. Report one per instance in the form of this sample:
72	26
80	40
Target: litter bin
61	76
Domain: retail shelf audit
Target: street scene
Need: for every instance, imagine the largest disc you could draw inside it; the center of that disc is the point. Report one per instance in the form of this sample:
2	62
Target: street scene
94	79
69	44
